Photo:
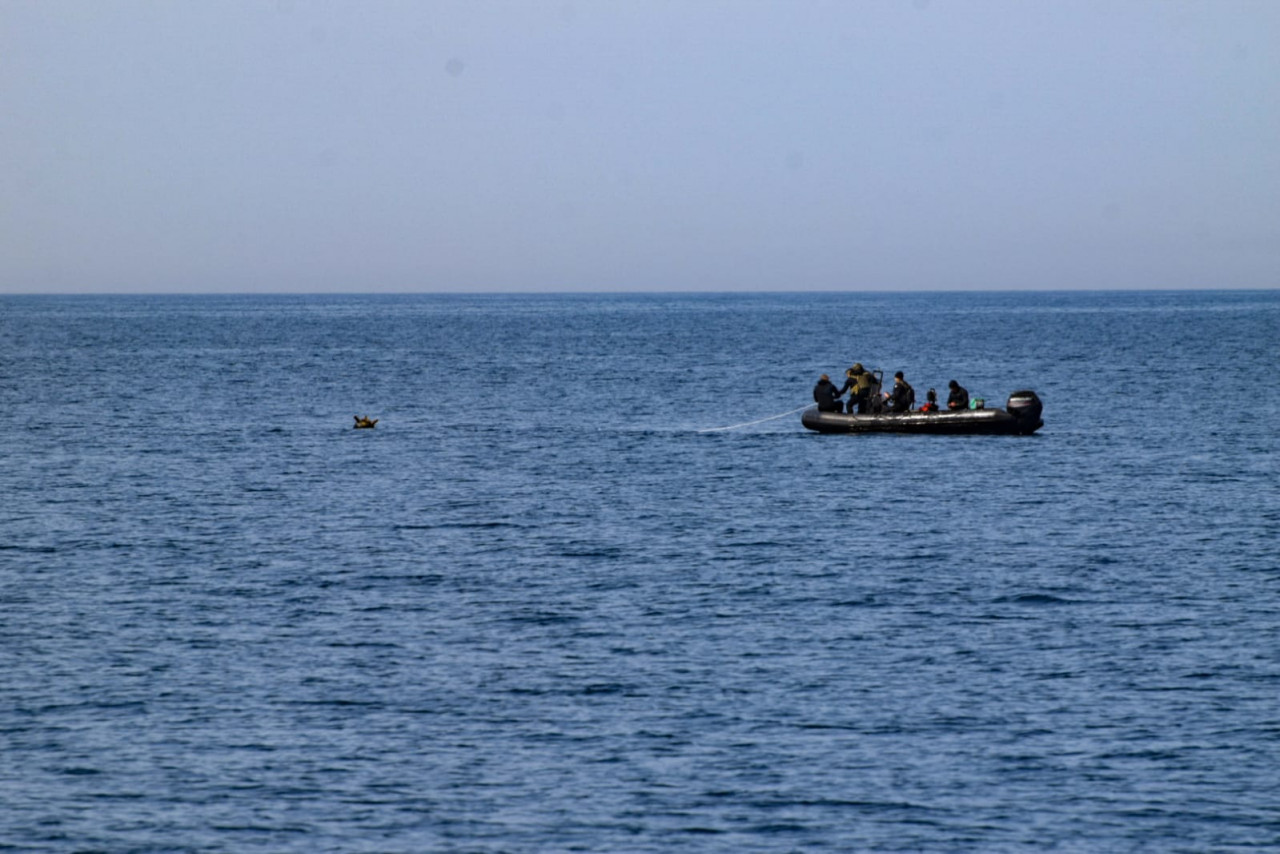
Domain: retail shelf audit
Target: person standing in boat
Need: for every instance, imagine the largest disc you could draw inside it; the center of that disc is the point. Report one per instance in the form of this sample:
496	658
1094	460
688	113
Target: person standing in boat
858	383
826	395
958	399
903	396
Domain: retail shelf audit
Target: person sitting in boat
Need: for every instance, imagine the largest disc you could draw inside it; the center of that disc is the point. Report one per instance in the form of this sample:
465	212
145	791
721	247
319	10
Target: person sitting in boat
859	383
931	402
826	395
958	399
903	396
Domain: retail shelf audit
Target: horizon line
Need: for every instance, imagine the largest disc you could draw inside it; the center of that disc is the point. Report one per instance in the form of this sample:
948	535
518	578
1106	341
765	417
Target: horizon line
632	292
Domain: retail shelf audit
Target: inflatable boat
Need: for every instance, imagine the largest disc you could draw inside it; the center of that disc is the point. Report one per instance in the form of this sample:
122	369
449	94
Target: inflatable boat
1020	417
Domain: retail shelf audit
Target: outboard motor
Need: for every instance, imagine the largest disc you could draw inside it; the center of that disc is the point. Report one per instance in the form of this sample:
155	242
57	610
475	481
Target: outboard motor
1026	407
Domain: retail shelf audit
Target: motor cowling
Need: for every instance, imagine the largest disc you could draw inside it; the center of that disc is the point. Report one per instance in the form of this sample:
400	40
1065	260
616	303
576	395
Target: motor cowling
1025	405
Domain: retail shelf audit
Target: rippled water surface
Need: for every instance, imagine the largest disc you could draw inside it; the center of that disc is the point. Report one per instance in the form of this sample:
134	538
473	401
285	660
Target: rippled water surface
538	608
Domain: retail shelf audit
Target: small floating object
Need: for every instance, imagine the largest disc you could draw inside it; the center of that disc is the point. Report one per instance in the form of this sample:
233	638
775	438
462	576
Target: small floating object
363	422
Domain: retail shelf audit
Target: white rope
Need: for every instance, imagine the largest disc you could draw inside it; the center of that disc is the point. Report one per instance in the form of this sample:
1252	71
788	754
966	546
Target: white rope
759	421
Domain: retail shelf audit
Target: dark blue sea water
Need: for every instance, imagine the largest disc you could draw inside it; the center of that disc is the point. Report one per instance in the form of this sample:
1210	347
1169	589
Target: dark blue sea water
537	609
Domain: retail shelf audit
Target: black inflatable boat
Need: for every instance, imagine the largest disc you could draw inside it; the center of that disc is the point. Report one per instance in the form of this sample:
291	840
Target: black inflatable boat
1020	417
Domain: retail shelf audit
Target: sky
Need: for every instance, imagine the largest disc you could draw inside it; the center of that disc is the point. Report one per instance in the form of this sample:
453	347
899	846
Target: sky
185	146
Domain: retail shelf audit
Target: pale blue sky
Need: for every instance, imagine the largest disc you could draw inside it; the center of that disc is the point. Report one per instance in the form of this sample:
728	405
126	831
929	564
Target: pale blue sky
316	146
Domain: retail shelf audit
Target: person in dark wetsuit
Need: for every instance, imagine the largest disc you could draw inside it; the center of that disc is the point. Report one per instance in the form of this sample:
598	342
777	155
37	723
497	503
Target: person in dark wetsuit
826	395
931	402
958	399
903	396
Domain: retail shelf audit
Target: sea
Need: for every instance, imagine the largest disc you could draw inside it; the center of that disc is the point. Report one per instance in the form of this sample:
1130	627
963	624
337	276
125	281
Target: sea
589	585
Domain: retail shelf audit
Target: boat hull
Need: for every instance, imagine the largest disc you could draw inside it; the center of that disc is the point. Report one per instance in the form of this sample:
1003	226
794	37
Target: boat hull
969	422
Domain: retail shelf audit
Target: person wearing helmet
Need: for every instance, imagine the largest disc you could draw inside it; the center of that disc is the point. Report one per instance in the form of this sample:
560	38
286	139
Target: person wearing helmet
858	383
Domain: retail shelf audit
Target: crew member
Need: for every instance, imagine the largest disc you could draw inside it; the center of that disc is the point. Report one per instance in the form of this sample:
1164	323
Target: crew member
903	396
958	399
858	383
826	395
931	402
